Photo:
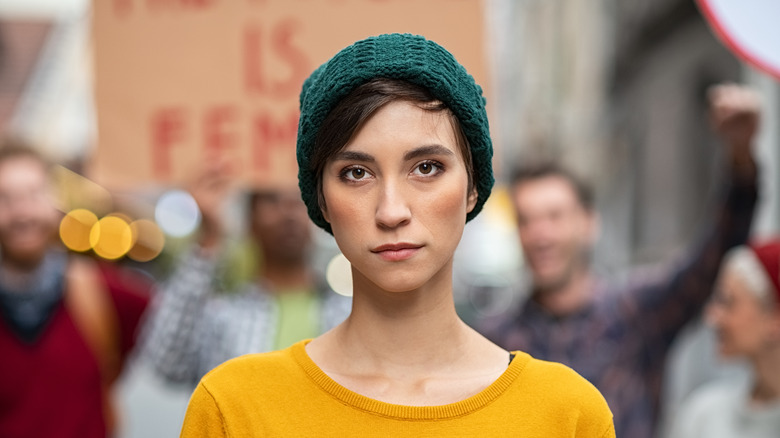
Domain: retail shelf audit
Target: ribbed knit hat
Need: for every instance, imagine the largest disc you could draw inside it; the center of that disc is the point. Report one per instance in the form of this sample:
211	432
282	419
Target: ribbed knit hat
768	254
407	57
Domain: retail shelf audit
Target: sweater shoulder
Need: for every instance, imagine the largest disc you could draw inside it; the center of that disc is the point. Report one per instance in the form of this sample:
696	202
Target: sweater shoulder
252	371
558	376
564	390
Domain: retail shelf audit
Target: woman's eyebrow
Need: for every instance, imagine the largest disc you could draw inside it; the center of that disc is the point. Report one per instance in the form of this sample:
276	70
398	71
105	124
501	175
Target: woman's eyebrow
434	149
354	156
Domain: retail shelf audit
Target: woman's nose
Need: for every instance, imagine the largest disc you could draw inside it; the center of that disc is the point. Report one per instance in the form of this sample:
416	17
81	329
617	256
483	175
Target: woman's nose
392	210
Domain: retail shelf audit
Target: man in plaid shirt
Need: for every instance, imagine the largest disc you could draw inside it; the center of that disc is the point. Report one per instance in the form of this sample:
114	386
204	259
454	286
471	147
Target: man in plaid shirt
618	336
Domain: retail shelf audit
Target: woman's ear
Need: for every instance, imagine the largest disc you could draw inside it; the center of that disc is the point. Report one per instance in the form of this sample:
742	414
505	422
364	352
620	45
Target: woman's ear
324	211
472	200
322	205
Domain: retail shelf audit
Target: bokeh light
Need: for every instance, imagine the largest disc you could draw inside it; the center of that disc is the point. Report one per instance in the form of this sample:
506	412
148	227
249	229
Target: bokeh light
120	215
111	237
339	275
75	229
177	213
148	240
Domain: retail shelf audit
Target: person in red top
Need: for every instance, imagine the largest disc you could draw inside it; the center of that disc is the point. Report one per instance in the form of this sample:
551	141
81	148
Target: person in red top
66	322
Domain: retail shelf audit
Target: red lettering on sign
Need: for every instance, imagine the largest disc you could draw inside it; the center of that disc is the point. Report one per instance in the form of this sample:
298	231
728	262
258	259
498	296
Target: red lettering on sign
285	49
268	133
254	79
167	129
122	7
217	134
282	47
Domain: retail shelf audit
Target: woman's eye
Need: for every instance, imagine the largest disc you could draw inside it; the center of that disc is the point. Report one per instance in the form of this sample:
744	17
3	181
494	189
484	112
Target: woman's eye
357	173
427	168
354	173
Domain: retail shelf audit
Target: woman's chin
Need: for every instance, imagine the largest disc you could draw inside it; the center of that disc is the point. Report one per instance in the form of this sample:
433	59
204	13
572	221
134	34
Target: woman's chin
394	281
398	286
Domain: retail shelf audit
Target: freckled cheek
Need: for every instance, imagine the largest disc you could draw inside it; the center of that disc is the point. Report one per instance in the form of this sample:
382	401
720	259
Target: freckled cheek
351	220
446	208
346	212
344	208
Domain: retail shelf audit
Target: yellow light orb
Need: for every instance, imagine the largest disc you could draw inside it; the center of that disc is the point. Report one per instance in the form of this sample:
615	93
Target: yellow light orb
148	240
111	237
121	215
75	229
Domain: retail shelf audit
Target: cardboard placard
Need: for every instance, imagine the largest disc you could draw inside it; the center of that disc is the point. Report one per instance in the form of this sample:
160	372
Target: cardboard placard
179	82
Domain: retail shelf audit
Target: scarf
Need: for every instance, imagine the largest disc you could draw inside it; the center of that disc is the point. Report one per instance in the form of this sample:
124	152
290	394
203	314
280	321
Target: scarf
27	303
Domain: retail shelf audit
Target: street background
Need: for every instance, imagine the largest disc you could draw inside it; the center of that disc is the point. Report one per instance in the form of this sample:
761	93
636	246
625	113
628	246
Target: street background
615	89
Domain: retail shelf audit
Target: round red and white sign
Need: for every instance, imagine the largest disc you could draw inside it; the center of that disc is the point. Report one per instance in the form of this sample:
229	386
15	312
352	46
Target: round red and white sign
749	28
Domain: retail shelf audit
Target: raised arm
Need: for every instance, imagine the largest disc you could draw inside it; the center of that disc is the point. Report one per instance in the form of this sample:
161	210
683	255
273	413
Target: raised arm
172	332
662	302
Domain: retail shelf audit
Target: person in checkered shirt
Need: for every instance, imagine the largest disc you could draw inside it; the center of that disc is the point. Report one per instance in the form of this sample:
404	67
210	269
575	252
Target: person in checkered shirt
618	335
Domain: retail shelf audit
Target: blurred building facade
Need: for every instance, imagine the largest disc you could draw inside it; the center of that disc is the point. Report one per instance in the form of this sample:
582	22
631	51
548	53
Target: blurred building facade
616	89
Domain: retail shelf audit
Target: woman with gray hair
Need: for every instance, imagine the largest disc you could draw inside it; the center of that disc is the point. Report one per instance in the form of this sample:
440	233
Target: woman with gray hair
745	314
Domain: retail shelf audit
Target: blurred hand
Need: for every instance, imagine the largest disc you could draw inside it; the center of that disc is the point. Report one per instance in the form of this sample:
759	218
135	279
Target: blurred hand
735	112
210	189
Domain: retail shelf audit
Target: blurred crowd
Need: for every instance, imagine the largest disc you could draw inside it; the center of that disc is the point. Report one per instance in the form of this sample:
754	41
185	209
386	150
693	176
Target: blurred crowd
72	322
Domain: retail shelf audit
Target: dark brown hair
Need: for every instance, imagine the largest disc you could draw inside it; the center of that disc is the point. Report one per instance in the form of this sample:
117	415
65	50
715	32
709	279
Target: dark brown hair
13	148
354	110
534	170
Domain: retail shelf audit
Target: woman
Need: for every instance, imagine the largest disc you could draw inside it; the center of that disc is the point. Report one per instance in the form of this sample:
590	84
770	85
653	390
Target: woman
746	316
395	156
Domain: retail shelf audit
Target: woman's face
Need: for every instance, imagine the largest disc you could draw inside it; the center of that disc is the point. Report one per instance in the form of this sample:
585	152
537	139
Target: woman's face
743	323
397	197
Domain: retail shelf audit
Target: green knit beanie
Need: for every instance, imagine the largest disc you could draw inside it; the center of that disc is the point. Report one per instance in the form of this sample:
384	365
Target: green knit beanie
407	57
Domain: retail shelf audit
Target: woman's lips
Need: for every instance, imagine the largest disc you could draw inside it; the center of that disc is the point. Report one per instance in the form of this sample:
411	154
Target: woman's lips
396	252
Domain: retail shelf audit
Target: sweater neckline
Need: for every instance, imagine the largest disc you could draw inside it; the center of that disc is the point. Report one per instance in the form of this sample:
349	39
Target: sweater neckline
460	408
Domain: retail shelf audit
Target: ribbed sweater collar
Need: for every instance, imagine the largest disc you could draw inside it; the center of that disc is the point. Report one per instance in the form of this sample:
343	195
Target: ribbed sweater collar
403	412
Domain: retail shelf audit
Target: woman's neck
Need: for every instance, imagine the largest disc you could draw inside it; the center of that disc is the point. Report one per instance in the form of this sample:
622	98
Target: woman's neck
408	326
408	347
413	321
766	386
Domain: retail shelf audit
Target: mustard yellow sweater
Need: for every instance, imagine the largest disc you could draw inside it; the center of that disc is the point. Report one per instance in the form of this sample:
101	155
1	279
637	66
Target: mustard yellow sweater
284	393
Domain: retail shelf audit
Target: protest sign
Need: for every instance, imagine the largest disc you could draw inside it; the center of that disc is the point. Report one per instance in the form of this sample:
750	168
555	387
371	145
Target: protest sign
180	82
